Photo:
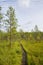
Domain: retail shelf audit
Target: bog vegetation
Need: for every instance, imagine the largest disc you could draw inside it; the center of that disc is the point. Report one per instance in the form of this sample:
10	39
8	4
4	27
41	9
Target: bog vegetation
10	40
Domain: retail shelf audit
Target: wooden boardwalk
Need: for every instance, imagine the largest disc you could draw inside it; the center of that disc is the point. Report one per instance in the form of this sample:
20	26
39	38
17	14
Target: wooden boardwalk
24	56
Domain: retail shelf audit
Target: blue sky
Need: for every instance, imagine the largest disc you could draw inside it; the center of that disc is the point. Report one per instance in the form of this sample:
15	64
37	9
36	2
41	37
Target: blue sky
28	12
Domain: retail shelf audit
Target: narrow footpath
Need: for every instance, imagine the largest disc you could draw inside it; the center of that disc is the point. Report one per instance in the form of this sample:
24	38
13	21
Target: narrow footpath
24	56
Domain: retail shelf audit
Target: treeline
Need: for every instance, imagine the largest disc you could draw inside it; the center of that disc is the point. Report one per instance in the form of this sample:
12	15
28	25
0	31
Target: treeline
28	36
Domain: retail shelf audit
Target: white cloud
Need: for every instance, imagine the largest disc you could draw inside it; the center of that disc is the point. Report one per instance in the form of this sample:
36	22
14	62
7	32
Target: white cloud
24	3
2	0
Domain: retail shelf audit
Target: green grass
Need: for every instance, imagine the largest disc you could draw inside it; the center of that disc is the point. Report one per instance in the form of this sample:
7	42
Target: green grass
13	55
34	52
10	56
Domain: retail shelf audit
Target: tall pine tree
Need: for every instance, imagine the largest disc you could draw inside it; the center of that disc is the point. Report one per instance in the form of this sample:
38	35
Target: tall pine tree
12	22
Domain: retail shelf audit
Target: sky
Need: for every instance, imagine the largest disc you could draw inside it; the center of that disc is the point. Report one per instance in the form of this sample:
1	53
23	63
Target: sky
28	12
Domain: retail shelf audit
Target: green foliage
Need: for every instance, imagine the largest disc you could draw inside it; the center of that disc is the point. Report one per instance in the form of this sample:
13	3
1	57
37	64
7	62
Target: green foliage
13	55
1	15
34	52
10	56
12	21
1	18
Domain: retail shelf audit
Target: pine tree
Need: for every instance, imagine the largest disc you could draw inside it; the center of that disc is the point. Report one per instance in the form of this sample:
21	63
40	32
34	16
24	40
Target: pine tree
1	18
12	22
